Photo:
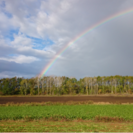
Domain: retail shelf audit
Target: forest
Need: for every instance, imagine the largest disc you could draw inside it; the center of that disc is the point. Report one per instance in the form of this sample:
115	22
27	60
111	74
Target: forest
55	85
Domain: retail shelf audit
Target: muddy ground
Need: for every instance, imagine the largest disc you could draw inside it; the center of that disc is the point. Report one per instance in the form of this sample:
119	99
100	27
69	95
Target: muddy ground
111	99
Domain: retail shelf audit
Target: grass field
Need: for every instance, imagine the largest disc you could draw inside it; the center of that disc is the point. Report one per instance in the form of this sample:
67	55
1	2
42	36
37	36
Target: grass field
70	112
66	118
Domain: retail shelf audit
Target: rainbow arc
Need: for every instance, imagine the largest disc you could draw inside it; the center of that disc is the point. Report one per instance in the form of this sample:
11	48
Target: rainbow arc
81	35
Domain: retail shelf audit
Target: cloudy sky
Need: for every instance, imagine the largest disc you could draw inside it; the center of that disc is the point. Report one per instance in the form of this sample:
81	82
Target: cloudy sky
32	32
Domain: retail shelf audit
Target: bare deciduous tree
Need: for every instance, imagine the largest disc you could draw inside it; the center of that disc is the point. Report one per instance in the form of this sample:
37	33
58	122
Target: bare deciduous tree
37	80
86	82
58	82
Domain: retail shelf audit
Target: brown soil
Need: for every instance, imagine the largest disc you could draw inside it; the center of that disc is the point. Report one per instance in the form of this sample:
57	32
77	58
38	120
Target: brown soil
110	99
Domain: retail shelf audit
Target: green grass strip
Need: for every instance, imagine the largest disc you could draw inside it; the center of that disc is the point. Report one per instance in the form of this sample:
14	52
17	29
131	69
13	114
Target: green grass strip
66	111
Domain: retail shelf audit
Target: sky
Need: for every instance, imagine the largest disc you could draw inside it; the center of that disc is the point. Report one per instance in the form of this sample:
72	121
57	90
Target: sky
32	32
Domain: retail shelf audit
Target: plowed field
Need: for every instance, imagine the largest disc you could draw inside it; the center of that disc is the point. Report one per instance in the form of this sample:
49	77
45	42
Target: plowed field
111	99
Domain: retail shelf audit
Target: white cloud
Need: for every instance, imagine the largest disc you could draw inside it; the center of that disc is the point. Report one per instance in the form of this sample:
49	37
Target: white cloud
21	40
20	59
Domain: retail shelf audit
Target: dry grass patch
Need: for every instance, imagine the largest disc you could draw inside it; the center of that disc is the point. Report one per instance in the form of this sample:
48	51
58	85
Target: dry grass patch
108	119
63	103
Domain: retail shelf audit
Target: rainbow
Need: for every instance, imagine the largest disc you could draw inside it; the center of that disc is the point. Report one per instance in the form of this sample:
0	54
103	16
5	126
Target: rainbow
100	23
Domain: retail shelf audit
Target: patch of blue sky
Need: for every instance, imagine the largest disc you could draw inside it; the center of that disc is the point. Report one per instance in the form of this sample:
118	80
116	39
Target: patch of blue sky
47	13
9	15
2	6
12	55
41	43
2	3
28	16
10	35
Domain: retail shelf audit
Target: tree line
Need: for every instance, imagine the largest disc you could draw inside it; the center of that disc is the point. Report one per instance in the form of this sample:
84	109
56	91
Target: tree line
53	85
